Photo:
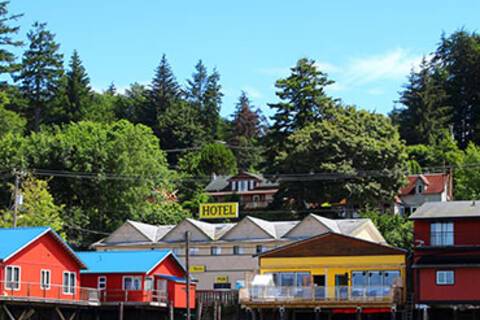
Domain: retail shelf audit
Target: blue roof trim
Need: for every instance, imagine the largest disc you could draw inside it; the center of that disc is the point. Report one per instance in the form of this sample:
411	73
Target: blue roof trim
15	239
21	237
123	261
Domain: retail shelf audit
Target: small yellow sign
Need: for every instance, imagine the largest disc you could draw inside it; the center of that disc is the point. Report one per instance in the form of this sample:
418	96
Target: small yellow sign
223	210
221	279
196	269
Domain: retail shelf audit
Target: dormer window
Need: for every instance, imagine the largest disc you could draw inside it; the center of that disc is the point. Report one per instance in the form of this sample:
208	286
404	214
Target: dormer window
420	188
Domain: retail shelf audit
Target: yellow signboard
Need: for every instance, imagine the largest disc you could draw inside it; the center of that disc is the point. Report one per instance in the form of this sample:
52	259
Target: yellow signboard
221	279
223	210
194	269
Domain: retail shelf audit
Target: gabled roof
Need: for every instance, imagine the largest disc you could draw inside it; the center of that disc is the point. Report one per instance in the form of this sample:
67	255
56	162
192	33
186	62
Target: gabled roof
220	183
15	240
343	226
148	230
448	209
124	261
435	183
332	244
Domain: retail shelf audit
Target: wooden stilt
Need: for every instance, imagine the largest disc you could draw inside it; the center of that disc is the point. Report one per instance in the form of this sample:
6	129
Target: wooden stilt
199	310
359	314
9	314
120	311
171	311
425	313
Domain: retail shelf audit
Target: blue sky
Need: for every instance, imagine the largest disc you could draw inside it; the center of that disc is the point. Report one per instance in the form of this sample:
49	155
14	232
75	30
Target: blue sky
367	47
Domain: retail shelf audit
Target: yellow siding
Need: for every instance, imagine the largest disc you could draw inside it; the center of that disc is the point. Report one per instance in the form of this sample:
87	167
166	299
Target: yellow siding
331	266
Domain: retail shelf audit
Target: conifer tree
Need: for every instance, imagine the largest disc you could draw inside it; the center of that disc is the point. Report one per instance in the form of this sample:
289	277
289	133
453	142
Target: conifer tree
78	91
197	86
303	101
40	73
246	134
212	104
7	41
164	92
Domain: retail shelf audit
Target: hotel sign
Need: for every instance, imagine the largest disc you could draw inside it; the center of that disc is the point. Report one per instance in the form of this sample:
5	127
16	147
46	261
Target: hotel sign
225	210
197	268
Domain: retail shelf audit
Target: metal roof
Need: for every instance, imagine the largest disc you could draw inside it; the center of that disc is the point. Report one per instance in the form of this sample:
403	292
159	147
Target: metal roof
16	239
448	209
123	261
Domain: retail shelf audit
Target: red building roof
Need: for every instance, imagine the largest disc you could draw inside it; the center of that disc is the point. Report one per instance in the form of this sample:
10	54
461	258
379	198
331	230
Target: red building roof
434	182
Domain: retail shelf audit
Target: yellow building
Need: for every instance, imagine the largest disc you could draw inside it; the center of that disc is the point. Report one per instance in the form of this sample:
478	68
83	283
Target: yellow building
329	271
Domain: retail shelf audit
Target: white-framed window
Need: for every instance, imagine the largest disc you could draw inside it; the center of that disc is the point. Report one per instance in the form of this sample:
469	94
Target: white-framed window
261	248
420	188
148	284
45	279
215	251
242	185
12	277
102	283
194	251
69	282
441	234
237	250
445	277
132	283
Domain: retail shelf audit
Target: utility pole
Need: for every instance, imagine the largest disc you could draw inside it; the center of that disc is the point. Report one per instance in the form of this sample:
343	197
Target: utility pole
187	266
16	197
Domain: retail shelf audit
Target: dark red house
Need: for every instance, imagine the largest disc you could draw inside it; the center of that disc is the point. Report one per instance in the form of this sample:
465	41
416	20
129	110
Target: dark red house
149	277
36	264
446	263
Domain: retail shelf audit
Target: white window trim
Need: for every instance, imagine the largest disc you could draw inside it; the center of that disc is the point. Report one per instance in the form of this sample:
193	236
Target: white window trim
444	283
217	249
19	277
65	288
151	279
104	282
47	287
132	277
241	250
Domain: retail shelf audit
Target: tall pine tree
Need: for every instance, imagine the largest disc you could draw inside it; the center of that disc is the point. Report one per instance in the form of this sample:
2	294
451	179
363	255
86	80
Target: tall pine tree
204	94
7	41
40	73
426	112
246	134
78	91
164	92
303	101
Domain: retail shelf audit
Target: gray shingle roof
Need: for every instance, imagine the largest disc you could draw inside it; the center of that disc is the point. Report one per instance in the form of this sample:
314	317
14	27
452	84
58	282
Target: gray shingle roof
449	209
217	184
148	230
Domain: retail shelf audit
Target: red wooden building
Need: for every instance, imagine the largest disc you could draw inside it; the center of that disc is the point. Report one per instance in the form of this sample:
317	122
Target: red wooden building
446	266
153	277
36	264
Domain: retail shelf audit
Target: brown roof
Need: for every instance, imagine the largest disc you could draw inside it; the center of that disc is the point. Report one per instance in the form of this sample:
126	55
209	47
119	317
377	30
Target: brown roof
332	245
435	183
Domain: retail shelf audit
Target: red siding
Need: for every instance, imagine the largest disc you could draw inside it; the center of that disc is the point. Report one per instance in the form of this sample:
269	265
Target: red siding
43	253
467	282
115	292
465	231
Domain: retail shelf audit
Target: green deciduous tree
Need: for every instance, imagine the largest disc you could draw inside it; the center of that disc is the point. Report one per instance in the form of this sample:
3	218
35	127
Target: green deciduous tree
10	121
397	230
40	73
7	40
38	208
349	145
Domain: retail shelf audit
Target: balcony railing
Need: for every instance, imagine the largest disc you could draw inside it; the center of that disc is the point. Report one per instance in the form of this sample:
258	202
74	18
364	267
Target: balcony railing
140	296
14	290
337	294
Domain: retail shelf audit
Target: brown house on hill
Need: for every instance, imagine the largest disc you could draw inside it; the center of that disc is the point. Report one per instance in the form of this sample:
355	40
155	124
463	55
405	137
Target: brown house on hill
252	191
422	188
